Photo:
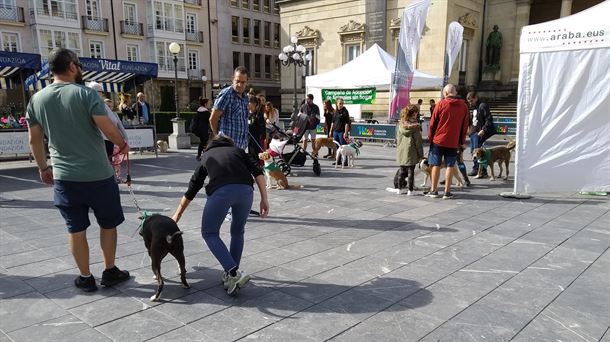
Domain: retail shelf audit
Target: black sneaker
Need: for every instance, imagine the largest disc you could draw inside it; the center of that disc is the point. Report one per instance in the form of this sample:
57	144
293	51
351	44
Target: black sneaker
113	276
85	284
448	195
432	194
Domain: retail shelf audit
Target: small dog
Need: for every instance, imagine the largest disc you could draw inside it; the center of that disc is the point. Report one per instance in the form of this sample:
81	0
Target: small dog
349	151
490	156
427	170
162	236
325	142
273	171
163	146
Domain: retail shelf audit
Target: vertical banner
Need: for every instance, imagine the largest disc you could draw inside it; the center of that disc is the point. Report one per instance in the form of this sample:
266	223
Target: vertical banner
411	29
454	44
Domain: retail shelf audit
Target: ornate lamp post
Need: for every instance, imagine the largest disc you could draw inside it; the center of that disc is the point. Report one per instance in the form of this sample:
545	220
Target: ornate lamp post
174	48
204	79
294	54
178	139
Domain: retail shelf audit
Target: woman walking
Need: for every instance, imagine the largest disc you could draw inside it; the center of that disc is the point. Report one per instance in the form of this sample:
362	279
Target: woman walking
200	126
230	186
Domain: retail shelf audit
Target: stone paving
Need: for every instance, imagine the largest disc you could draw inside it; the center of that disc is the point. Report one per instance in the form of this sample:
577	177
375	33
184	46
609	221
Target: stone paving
340	259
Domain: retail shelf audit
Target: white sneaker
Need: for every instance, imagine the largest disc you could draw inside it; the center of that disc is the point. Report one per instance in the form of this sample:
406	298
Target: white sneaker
392	190
402	191
410	193
237	282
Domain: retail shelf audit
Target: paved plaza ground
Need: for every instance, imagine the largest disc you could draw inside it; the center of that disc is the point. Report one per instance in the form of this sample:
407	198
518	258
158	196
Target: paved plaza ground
340	259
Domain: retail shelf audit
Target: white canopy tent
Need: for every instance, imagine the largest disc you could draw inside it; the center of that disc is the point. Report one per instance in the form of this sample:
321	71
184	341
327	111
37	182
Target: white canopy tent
563	115
373	68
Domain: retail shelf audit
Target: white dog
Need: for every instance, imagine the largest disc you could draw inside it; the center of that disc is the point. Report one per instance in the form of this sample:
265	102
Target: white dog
162	146
349	151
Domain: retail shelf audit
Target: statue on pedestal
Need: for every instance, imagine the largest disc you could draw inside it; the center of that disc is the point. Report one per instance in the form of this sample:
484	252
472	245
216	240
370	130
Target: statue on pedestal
494	45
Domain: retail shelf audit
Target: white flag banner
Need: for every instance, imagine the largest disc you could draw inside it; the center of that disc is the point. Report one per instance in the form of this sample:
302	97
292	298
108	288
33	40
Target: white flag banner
455	34
412	27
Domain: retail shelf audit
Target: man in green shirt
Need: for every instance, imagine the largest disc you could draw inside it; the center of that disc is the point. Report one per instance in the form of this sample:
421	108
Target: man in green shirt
69	114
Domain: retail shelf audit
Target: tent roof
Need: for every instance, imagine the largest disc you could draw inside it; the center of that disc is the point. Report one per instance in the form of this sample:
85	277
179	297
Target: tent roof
13	62
583	30
373	68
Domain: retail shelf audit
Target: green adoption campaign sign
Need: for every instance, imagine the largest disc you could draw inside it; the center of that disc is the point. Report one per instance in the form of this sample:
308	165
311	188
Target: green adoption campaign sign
351	96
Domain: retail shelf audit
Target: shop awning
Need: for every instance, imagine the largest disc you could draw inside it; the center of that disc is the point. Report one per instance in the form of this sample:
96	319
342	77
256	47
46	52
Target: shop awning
11	63
115	75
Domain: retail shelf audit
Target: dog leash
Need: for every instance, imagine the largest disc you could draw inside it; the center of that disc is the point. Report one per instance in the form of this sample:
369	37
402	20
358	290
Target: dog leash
143	213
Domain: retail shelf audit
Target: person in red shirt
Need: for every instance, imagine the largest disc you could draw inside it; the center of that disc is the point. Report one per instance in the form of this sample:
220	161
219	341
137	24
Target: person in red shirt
447	132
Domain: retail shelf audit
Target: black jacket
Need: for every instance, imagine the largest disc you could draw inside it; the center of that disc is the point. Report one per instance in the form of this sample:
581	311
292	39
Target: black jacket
483	120
224	164
137	110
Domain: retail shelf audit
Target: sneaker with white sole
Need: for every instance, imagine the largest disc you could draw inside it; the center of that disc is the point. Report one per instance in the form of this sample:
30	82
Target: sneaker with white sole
410	193
225	280
392	190
432	194
448	195
239	281
403	191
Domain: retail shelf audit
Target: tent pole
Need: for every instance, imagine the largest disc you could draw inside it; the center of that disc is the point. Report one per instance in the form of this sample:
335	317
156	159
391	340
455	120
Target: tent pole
152	87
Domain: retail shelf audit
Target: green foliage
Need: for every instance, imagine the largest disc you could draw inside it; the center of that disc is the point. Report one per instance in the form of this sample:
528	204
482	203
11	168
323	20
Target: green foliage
163	121
168	103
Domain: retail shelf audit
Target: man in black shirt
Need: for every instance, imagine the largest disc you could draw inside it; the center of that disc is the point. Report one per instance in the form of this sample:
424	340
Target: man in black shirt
313	113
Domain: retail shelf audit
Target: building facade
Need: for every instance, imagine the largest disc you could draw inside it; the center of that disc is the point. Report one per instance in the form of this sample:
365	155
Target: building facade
337	31
249	35
132	30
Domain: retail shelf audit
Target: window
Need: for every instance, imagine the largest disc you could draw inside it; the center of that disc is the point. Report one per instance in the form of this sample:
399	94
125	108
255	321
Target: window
351	52
193	60
64	9
245	23
168	17
257	65
256	25
233	3
235	29
7	4
267	6
245	4
308	70
267	33
235	59
96	48
133	53
267	66
191	22
256	5
10	41
248	60
276	69
129	13
49	39
276	35
93	9
165	59
276	8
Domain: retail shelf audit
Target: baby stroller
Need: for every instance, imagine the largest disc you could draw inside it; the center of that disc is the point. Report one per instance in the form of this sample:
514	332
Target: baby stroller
290	152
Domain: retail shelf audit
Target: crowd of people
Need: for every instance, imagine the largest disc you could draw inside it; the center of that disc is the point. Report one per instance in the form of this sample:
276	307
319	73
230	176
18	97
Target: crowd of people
232	131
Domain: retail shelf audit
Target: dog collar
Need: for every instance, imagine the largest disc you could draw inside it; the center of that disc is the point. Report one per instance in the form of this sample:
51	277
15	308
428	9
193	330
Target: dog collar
143	218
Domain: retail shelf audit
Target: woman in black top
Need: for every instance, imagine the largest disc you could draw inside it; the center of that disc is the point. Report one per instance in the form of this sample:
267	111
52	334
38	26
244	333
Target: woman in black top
256	127
201	125
328	122
125	107
231	176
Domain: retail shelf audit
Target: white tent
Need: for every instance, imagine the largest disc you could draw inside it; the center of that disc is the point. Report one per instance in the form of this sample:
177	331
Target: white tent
563	115
373	68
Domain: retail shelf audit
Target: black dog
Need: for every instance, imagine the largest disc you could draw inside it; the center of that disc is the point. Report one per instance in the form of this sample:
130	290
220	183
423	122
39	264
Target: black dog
162	236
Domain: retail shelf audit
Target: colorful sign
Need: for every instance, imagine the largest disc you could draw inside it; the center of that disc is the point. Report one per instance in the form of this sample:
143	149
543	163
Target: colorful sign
373	131
351	96
505	125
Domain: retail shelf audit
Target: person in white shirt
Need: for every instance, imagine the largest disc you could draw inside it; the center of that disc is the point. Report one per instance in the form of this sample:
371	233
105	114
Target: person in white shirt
113	117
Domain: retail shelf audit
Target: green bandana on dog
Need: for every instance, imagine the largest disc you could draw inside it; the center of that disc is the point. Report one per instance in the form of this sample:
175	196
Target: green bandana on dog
486	158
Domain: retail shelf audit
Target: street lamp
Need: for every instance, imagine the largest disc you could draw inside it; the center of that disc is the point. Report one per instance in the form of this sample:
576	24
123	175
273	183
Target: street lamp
174	48
204	79
294	54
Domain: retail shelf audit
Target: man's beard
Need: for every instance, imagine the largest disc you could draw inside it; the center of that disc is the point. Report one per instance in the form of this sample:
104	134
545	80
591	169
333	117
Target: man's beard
79	78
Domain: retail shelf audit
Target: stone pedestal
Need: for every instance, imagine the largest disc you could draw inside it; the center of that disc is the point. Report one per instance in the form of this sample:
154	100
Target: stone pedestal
491	76
179	139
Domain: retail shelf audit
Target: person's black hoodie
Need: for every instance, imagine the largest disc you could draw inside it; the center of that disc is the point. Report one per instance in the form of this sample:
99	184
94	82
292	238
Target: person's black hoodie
224	164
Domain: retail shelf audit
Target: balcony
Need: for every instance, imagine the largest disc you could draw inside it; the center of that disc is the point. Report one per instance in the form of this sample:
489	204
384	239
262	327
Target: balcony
195	74
12	14
132	28
196	36
193	2
54	13
95	24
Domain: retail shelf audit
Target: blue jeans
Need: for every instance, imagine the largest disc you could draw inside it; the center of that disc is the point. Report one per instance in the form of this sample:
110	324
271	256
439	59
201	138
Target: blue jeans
338	136
475	142
238	197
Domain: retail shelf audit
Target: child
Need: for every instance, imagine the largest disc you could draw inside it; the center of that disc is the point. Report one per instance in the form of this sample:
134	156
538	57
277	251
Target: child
409	148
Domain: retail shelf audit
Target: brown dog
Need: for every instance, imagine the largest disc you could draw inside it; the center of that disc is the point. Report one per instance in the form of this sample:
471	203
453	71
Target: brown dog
325	142
490	156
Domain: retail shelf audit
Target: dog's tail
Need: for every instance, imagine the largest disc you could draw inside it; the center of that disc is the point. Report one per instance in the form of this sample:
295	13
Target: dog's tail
511	145
170	238
337	143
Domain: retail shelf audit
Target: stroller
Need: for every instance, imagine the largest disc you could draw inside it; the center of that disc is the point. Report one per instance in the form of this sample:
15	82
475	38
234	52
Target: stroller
290	152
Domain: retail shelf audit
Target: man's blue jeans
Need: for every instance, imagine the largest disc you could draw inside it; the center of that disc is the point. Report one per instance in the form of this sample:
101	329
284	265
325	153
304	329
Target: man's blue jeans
238	197
338	136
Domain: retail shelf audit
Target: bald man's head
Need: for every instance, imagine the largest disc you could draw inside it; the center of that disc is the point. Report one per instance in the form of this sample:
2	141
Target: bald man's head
449	90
